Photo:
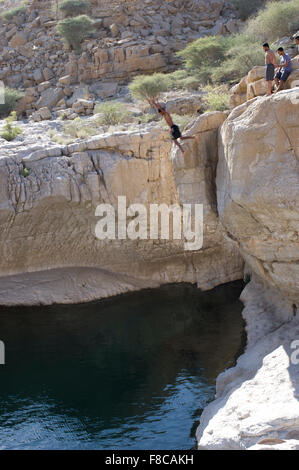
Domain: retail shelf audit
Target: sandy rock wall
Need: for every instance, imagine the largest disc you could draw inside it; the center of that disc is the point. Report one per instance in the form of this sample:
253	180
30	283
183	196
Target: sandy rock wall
256	405
47	214
257	187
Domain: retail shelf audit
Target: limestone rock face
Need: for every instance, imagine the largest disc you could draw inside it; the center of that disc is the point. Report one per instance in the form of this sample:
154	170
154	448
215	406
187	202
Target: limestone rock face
258	187
257	404
47	214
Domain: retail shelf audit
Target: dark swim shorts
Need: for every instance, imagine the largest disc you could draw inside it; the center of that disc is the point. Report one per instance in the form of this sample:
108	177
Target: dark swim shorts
283	75
175	132
270	72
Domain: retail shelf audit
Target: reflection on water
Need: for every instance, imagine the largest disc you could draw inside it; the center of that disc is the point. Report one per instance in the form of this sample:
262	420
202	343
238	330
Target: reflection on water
131	372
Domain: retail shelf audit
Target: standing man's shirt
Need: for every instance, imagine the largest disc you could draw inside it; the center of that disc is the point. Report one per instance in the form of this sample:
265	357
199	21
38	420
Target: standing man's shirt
285	61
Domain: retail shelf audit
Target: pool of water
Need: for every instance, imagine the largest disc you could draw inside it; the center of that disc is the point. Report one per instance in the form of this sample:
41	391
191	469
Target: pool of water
130	372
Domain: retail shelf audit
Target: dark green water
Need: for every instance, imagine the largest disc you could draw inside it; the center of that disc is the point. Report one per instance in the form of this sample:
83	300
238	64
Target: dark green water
132	372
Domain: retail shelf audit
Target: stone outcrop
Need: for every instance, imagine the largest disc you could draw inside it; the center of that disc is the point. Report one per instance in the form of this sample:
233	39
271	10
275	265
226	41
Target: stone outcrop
254	84
256	404
47	213
258	187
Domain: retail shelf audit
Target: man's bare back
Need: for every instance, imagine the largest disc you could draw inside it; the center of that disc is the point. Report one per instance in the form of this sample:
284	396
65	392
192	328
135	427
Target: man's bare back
270	58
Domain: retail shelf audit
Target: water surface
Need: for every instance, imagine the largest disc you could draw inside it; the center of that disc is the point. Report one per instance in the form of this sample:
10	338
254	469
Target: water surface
131	372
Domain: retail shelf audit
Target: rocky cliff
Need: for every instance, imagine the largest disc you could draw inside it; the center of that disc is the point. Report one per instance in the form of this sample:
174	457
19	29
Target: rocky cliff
244	171
256	404
49	251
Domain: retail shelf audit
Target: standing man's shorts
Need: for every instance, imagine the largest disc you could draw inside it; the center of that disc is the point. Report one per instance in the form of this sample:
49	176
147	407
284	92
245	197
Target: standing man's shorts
175	132
270	72
283	76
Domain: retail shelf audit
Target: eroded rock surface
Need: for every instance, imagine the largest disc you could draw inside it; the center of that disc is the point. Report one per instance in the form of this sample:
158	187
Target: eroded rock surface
49	194
257	404
258	187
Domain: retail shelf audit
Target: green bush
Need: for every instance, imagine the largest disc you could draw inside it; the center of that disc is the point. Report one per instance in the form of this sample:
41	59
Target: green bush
9	131
111	113
182	79
204	54
240	59
74	30
9	14
80	128
274	21
247	7
216	98
73	7
11	98
149	86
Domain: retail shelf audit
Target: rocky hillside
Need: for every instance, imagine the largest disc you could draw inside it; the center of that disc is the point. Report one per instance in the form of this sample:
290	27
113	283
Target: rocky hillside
131	37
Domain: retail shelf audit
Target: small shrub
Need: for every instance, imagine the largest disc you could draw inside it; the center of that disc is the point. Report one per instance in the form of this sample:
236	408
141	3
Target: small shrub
11	98
80	128
274	21
203	55
216	99
73	7
149	86
9	131
25	172
9	14
182	79
240	59
111	113
145	118
247	7
74	30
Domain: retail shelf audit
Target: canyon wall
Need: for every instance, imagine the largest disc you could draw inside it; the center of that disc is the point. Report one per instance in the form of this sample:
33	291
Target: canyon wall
257	404
49	194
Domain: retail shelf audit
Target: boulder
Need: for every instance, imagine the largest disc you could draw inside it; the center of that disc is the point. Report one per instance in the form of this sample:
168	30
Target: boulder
48	74
19	39
114	30
66	80
43	86
49	98
258	187
45	113
104	89
38	76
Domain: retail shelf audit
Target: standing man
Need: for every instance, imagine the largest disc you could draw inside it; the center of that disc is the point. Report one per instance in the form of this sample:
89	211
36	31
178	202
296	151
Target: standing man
271	64
285	69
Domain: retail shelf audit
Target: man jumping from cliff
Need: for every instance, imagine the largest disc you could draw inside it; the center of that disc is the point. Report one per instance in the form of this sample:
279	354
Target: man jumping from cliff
174	129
